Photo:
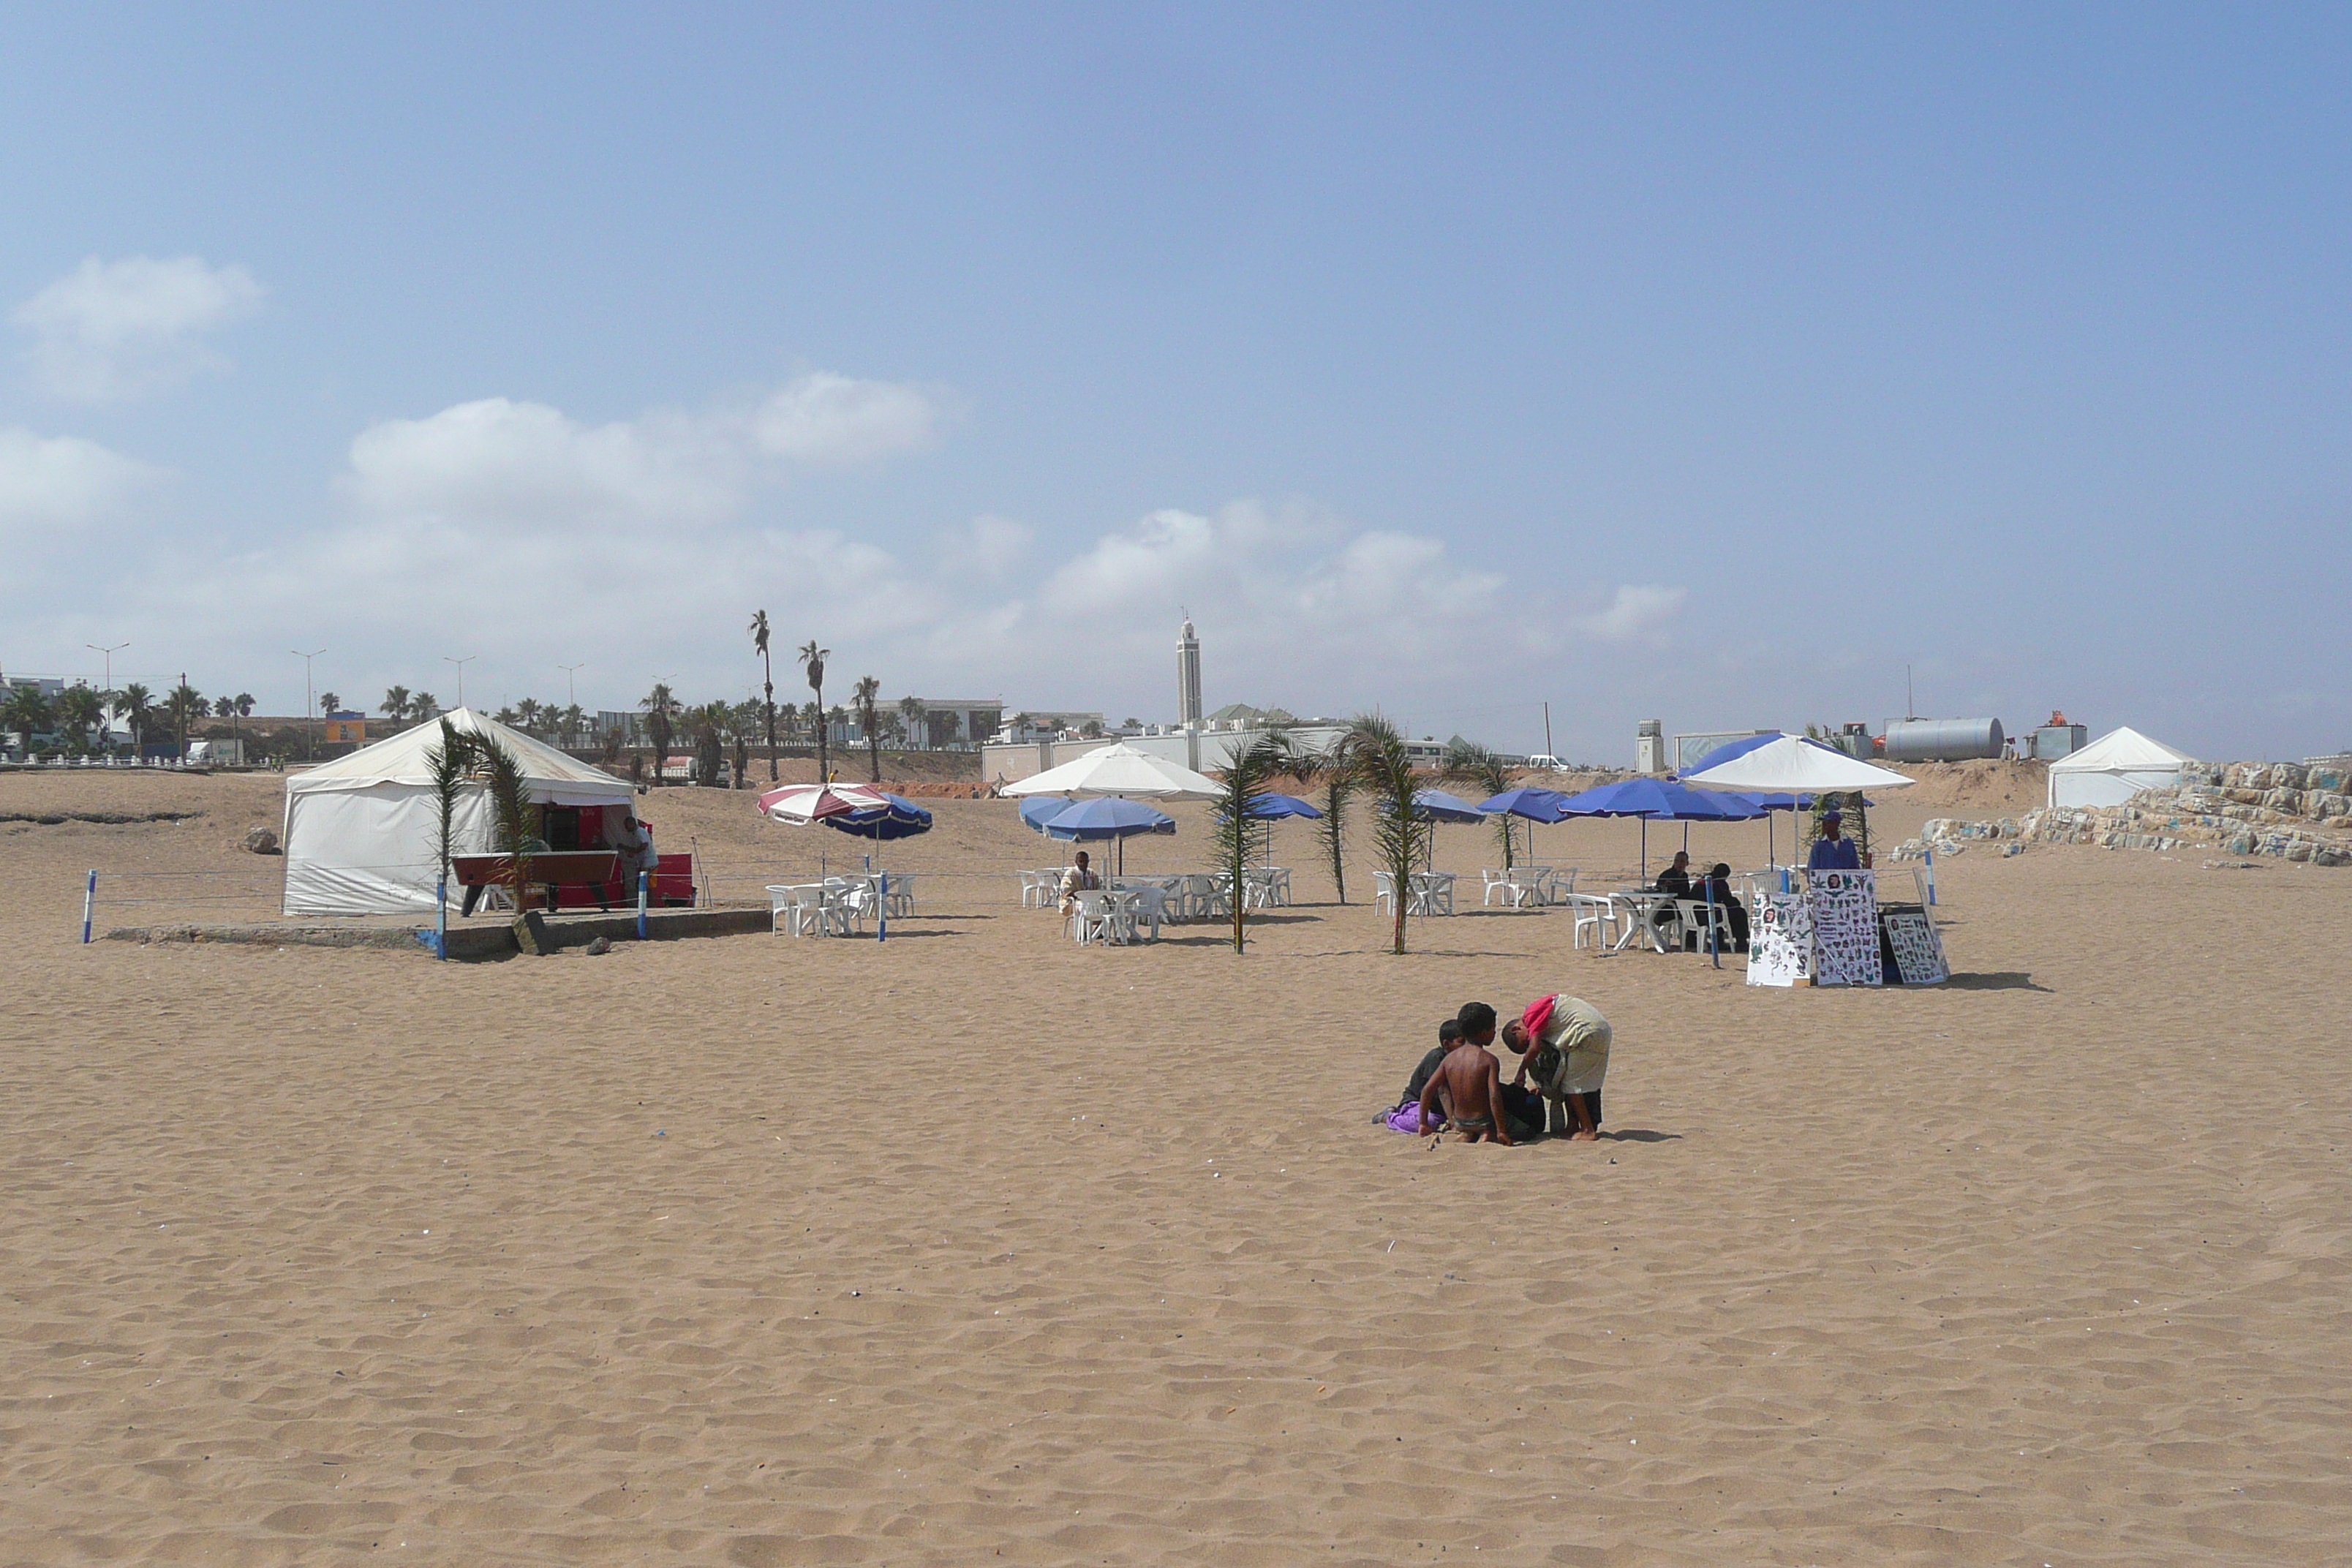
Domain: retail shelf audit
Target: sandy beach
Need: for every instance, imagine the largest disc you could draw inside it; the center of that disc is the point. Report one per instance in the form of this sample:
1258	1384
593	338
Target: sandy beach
975	1246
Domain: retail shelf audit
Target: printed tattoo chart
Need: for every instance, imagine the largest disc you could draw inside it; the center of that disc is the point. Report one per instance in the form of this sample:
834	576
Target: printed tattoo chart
1845	928
1918	954
1780	947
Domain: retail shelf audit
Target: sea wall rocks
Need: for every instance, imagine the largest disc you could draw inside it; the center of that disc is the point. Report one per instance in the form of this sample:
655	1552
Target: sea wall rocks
2286	810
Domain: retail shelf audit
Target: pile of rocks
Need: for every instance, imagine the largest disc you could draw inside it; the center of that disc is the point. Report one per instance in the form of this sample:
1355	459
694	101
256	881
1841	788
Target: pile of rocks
2286	810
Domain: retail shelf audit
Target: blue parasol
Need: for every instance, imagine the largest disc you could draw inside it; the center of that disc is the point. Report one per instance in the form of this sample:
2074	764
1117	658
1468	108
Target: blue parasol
900	818
1660	800
1267	807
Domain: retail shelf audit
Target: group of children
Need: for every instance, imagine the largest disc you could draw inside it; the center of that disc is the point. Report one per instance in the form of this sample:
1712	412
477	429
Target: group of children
1562	1043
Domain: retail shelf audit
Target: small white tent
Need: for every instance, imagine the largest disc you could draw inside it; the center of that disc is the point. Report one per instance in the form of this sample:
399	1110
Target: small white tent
360	830
2113	768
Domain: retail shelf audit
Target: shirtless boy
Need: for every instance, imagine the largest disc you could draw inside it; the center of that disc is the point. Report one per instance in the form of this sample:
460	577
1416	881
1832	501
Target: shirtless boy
1467	1085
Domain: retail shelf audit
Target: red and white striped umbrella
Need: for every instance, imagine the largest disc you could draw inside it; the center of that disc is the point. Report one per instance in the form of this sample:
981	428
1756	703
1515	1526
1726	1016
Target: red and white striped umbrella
800	805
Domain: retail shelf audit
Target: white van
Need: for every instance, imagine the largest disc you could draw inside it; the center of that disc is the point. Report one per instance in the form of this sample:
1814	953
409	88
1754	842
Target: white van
1546	763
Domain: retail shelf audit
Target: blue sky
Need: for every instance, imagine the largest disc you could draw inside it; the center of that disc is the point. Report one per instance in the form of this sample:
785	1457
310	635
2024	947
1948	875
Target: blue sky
1708	363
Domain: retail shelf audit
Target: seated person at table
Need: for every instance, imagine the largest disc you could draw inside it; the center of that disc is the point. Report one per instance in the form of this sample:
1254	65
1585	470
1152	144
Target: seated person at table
1833	851
1718	886
1675	881
1078	879
1564	1041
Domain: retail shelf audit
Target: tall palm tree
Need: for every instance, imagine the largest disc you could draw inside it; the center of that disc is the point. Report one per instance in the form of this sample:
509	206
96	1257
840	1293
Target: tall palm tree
329	702
1468	762
659	704
184	703
1241	781
743	723
813	659
1382	769
395	703
79	711
870	721
912	713
767	684
527	713
1329	769
705	726
135	706
424	706
25	711
242	705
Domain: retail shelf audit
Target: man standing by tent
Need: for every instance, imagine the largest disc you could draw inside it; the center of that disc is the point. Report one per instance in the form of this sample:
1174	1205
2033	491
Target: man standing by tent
635	847
1832	851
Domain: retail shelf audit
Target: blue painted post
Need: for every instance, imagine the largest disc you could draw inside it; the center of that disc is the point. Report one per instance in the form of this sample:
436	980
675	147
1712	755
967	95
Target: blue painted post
882	924
441	918
88	899
1929	859
641	906
1714	935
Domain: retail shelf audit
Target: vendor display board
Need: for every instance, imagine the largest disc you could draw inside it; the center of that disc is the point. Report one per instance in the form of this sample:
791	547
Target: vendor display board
1780	940
1918	952
1845	928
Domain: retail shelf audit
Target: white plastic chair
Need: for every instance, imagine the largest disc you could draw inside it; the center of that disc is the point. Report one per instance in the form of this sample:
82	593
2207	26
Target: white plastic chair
1493	882
1432	892
1150	904
1094	919
1695	915
902	893
1031	888
1384	891
1595	915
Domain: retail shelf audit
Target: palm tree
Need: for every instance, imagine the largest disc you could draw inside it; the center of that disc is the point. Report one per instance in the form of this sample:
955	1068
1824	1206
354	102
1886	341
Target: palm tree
813	659
1468	762
574	721
1243	780
659	704
767	684
395	703
135	705
743	724
912	713
184	703
25	711
1382	769
223	707
1330	769
705	724
329	702
527	714
424	706
80	711
242	705
869	720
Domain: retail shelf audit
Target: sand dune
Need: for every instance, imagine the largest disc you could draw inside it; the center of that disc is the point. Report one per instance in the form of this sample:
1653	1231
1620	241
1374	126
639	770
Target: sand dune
974	1246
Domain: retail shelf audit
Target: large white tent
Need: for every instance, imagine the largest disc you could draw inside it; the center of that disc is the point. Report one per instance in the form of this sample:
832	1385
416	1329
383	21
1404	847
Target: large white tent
360	830
1793	762
2113	768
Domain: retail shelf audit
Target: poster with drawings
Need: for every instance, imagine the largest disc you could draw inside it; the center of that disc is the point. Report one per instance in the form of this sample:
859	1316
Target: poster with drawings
1780	945
1918	952
1845	927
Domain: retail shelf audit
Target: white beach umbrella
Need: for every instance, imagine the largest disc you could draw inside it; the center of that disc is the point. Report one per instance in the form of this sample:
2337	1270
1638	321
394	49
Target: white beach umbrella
1120	770
1796	763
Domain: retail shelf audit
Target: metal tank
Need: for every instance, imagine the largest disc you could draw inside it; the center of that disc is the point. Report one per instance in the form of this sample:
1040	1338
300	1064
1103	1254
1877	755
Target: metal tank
1942	740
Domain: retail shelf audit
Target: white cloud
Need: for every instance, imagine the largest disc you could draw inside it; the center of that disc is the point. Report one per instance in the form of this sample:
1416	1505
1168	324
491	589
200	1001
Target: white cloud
115	329
496	464
1636	612
60	484
825	418
499	464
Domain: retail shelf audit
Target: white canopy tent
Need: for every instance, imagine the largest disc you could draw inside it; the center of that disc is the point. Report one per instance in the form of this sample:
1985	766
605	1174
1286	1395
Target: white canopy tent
1796	765
1122	770
2113	768
360	830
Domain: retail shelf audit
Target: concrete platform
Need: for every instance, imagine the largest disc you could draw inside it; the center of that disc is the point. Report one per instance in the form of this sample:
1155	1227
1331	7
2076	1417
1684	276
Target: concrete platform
469	940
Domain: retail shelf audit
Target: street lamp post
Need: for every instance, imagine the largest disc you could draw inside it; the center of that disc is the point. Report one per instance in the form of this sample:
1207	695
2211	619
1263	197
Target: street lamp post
461	664
309	725
108	653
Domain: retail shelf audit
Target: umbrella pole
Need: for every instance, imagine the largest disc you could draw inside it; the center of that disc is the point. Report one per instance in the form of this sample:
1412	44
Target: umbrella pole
1645	849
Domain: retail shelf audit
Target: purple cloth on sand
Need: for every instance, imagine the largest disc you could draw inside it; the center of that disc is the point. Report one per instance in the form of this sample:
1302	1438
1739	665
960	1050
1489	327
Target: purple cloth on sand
1407	1119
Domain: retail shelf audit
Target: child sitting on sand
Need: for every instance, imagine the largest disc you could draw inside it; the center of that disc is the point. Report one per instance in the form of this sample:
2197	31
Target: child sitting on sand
1405	1115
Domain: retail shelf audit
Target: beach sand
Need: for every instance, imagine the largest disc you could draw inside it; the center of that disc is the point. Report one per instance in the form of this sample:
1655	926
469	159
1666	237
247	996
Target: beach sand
976	1246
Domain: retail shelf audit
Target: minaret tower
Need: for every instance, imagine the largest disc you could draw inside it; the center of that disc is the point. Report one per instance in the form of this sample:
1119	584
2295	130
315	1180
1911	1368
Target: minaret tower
1188	676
